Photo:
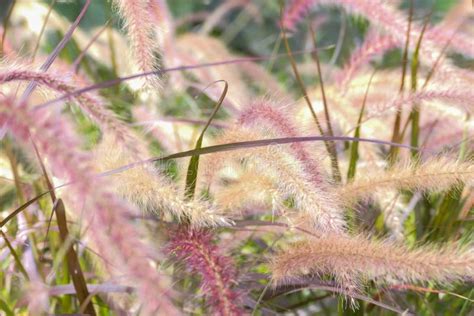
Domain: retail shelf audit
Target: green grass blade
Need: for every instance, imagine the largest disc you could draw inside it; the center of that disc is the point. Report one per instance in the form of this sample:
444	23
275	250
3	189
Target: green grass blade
15	255
332	145
355	145
396	137
194	162
329	148
21	208
14	168
415	113
4	307
445	221
467	303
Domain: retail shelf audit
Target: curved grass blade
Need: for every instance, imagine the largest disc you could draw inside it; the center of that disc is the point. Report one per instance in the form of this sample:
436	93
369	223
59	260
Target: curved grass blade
193	167
247	144
210	150
21	208
113	82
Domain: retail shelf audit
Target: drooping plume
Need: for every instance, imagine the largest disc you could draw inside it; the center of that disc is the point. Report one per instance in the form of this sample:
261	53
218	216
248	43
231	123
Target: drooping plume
146	187
142	33
115	237
435	174
273	116
217	272
316	205
352	258
374	44
90	103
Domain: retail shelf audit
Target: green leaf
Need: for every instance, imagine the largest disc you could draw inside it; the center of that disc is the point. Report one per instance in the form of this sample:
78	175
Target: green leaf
355	145
465	306
194	162
415	113
21	208
4	307
15	255
396	135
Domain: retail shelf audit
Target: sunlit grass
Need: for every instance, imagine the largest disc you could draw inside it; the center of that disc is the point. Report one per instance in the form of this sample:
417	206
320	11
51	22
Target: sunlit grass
235	157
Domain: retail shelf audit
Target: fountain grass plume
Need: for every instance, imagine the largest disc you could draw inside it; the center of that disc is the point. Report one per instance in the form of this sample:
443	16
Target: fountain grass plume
138	20
316	205
434	174
149	189
115	237
355	257
218	276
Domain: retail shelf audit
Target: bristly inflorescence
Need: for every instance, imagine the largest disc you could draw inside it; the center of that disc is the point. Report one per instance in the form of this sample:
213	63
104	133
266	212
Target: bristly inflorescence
116	239
142	33
435	174
149	189
357	258
218	276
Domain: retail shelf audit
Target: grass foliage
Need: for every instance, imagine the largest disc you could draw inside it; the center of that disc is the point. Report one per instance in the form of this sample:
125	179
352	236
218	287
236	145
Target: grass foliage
234	157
